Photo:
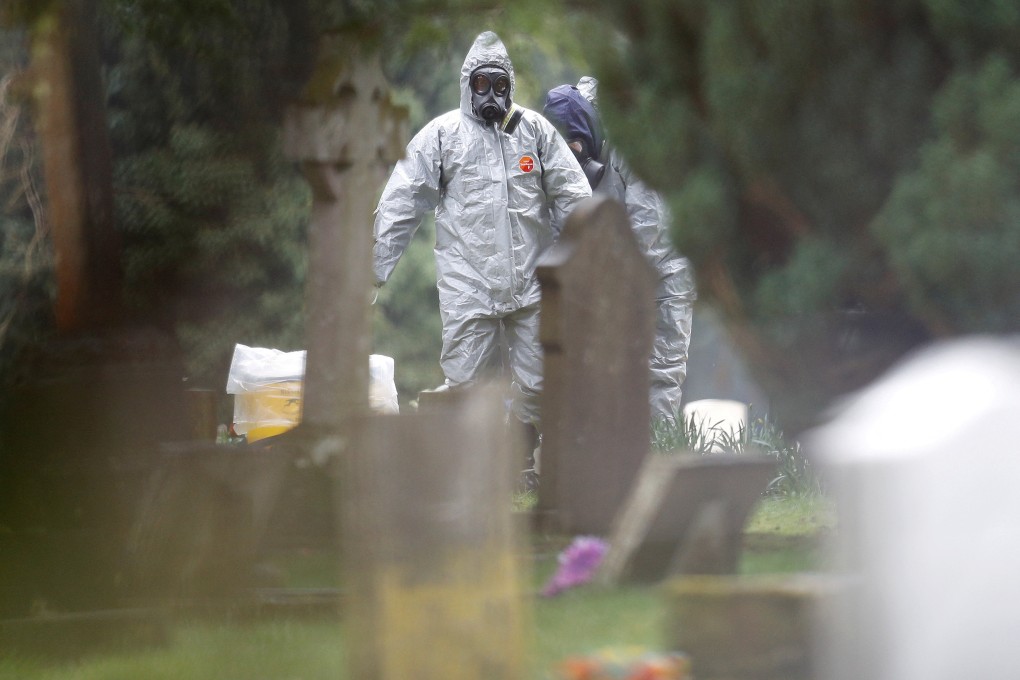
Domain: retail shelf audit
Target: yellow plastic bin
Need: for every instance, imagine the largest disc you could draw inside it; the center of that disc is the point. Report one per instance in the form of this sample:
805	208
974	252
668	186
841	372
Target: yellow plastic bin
267	385
268	410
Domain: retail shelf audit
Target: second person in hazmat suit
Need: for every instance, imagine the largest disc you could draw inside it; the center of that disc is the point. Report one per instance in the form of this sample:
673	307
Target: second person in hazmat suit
501	181
573	109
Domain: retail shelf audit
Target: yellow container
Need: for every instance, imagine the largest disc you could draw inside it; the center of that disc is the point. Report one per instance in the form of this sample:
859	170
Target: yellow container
269	410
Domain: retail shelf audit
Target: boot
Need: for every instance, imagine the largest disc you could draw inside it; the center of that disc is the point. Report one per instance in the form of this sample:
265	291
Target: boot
532	445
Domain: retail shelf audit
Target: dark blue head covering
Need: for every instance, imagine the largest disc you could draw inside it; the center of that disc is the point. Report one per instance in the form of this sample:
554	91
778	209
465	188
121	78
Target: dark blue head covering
575	117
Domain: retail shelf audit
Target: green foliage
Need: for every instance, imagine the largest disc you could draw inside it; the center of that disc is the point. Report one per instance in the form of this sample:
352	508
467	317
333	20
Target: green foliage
217	242
704	212
213	216
951	226
406	323
826	159
814	278
795	476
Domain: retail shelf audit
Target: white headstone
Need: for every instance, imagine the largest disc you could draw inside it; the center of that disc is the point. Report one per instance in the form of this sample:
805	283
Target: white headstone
926	467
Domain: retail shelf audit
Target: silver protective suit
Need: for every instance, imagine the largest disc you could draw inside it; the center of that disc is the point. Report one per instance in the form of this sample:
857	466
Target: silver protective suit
675	291
500	200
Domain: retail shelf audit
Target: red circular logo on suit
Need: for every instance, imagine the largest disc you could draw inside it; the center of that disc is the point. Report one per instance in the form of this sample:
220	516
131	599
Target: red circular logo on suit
527	163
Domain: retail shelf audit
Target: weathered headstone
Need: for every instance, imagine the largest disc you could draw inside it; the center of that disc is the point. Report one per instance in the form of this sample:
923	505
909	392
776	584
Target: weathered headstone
596	333
685	515
430	548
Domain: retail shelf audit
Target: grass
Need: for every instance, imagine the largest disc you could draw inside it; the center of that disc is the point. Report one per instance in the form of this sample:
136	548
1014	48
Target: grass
782	536
270	650
798	515
795	476
787	534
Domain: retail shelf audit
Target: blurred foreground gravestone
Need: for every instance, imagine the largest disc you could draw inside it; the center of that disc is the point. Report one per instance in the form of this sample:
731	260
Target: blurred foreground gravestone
596	333
762	627
431	552
201	518
925	465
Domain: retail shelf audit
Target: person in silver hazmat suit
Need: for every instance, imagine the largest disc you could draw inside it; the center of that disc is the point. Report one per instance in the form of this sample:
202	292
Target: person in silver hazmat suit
573	109
501	181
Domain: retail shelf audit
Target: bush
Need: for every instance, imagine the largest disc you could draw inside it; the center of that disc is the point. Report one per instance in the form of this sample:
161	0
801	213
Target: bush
794	475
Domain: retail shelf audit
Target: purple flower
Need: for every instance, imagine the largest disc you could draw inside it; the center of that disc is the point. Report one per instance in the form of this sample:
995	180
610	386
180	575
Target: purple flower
578	564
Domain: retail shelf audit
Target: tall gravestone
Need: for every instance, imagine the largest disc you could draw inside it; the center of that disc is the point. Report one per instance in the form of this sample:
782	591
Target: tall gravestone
597	327
431	551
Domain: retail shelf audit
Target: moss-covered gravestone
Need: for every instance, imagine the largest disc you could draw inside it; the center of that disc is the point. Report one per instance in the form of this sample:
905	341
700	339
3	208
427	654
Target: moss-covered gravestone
431	552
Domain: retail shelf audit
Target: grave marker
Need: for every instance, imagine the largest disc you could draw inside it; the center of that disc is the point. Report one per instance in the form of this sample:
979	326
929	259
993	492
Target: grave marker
596	333
685	515
926	489
430	547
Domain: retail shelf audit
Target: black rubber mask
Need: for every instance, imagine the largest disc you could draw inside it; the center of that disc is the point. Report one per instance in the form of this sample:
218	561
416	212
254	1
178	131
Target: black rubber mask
490	97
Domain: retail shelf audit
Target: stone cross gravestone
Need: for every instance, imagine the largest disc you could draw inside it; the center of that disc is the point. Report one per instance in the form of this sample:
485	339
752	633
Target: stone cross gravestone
430	548
344	132
597	327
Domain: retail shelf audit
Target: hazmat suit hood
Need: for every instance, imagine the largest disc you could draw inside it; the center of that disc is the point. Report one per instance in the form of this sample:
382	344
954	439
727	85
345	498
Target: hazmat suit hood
588	86
487	50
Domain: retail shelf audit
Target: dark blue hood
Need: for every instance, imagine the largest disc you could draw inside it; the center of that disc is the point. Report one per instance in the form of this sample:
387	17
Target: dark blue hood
575	117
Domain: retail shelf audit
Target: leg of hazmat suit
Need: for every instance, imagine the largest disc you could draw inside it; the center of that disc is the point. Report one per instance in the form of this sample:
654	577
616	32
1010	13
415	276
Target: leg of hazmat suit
470	348
525	363
669	355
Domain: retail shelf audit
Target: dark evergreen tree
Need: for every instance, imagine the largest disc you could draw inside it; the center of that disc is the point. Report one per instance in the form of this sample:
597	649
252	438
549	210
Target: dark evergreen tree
843	172
213	216
25	250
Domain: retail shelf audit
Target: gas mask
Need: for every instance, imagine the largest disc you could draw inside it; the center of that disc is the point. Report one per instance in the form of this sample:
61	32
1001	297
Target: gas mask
490	98
593	168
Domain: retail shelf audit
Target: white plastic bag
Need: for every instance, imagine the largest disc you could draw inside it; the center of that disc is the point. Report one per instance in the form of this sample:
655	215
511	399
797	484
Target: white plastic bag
382	390
267	387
